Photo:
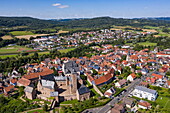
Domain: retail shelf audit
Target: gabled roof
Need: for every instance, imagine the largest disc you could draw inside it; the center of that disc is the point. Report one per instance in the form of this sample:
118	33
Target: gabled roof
103	79
24	81
144	103
157	76
48	84
83	89
133	75
146	89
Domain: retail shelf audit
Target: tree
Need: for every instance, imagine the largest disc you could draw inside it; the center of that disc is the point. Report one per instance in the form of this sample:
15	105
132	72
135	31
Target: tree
45	107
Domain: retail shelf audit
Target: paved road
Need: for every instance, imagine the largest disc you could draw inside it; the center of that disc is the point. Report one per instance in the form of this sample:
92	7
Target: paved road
107	107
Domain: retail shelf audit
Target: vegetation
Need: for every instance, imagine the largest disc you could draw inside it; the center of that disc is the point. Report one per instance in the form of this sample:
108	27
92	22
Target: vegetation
18	33
11	105
80	106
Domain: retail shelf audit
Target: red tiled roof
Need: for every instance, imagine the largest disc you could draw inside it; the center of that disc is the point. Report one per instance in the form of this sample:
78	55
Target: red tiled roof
145	104
45	72
13	80
103	79
157	76
24	81
133	75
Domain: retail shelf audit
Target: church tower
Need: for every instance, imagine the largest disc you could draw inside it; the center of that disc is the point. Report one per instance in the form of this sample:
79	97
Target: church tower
74	82
128	56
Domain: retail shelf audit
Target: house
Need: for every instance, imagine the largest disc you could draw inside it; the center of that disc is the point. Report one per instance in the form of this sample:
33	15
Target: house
83	93
131	77
8	90
129	102
144	105
109	92
13	81
168	83
121	83
30	92
118	108
146	93
157	76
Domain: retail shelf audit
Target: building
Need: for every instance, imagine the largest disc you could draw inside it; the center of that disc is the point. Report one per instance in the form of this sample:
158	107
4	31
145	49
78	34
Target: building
83	93
129	102
146	93
131	77
45	87
144	104
118	108
30	92
121	83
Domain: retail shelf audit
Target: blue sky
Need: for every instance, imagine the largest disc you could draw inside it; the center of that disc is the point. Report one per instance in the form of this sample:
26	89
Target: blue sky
56	9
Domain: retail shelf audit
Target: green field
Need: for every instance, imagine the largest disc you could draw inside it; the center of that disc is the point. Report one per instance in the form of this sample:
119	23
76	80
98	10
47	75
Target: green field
19	33
147	44
13	49
143	43
66	50
163	102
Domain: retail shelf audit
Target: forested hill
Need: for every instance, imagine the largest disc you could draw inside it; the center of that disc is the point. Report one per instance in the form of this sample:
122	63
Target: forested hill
25	21
100	22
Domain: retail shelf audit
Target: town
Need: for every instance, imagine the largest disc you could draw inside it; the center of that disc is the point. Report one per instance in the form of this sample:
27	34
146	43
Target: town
117	77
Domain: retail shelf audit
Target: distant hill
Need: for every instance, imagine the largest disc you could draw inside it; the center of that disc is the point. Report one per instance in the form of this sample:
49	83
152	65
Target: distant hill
162	18
87	23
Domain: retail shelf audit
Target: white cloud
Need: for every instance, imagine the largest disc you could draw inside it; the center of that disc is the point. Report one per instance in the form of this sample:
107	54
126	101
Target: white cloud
63	6
57	4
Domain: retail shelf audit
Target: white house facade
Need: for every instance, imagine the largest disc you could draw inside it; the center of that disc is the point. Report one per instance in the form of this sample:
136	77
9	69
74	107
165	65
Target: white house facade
146	93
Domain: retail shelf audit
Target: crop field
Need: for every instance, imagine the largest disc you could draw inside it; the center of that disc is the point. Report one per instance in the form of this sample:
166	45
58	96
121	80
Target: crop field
6	37
13	49
147	44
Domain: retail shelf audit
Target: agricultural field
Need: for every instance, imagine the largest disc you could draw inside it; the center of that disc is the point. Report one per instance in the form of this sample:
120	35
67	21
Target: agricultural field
20	33
7	37
13	49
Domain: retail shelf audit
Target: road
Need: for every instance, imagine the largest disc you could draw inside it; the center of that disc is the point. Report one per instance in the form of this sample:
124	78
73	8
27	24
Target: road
107	107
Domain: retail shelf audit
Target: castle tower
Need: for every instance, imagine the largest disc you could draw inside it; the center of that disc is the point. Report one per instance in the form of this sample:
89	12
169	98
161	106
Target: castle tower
128	56
74	82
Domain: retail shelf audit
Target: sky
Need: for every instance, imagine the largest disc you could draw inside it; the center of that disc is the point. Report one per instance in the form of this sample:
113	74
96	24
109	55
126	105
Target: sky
61	9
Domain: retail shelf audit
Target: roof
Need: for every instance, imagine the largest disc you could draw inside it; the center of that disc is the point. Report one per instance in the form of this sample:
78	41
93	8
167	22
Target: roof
24	81
28	89
48	84
83	89
9	88
13	80
123	81
133	75
128	101
45	71
146	89
157	76
54	94
103	79
144	103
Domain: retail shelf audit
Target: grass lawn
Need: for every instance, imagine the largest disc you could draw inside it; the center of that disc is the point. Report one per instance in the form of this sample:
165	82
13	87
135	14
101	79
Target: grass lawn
13	49
66	50
163	101
19	33
69	102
